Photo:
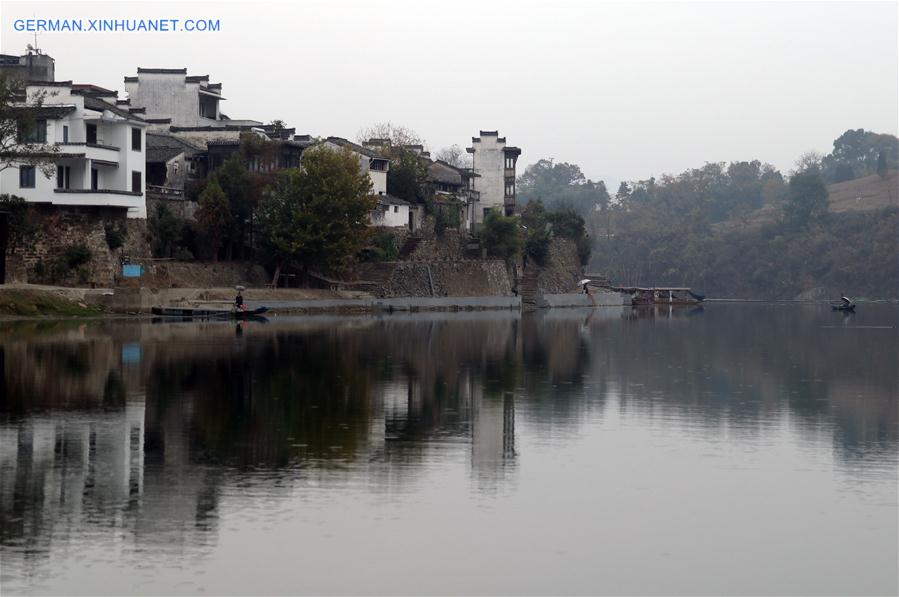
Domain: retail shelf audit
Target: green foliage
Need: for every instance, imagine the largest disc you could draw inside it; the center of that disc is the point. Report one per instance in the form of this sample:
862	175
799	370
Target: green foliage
860	153
561	186
19	142
317	216
165	231
568	224
20	220
536	245
22	302
500	235
447	214
807	200
711	228
76	255
213	219
882	168
115	237
407	177
383	247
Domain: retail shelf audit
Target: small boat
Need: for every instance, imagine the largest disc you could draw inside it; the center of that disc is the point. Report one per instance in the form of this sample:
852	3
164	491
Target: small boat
846	305
190	312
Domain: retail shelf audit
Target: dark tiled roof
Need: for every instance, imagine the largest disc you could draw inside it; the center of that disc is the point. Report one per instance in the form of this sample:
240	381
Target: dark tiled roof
131	79
162	148
366	151
93	90
92	103
162	71
158	120
196	78
229	127
444	173
53	112
391	200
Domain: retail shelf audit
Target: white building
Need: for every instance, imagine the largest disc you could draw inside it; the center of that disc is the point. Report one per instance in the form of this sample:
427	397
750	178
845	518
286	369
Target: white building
97	147
370	161
393	212
171	98
493	163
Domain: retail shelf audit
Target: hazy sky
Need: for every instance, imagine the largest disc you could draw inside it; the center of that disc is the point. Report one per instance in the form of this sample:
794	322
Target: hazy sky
626	90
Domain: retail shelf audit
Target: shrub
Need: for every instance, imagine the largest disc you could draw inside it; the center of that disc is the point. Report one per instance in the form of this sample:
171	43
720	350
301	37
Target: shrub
500	235
115	237
76	255
383	247
536	245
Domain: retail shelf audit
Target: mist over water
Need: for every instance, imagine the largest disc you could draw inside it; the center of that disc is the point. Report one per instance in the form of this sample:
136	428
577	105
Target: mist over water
746	449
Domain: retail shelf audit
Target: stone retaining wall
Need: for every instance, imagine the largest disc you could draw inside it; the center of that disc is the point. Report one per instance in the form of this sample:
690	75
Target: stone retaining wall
42	257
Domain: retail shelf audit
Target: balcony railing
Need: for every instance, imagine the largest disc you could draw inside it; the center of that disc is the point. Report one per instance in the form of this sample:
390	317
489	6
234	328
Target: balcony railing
95	145
103	191
172	192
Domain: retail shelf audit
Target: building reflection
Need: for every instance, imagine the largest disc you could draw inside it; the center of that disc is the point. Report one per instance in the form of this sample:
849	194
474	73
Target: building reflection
142	429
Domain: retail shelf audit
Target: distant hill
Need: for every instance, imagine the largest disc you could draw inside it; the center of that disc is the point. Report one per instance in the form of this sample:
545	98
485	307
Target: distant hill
864	194
860	195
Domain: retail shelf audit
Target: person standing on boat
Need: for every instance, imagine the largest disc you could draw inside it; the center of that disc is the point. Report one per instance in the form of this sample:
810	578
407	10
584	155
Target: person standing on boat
238	300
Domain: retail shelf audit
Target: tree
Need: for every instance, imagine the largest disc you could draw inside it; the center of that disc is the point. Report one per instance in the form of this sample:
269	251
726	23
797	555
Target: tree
23	138
213	219
500	235
882	165
407	177
561	185
234	181
20	220
396	135
317	216
165	231
454	155
807	199
810	161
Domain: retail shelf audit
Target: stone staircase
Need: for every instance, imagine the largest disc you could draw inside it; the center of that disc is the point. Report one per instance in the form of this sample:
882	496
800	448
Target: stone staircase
409	247
528	289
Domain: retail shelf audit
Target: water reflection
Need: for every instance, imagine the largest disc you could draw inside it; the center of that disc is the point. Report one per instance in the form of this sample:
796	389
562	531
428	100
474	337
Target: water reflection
139	430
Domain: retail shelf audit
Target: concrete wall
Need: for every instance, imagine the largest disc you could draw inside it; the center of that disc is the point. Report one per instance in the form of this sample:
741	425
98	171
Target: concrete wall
392	216
168	96
378	179
600	299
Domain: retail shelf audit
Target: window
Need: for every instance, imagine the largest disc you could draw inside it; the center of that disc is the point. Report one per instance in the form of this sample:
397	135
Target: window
65	133
510	163
63	175
135	139
91	133
135	182
396	209
95	179
34	134
510	189
26	177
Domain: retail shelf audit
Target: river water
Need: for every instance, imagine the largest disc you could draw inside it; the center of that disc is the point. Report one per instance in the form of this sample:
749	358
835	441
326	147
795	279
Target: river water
739	449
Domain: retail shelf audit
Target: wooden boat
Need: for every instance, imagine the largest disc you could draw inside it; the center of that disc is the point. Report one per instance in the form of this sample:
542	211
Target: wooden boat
190	312
846	305
660	295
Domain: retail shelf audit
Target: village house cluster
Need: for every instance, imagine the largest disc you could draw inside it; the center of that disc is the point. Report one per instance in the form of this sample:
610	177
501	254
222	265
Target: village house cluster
170	131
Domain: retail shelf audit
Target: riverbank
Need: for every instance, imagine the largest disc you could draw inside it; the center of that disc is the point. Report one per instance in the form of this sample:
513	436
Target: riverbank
26	301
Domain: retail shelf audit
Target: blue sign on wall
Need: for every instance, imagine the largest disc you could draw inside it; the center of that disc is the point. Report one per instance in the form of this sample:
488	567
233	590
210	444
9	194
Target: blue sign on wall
131	271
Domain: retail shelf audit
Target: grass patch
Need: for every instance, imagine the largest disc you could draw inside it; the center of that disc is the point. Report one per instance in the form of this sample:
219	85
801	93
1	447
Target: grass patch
33	303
